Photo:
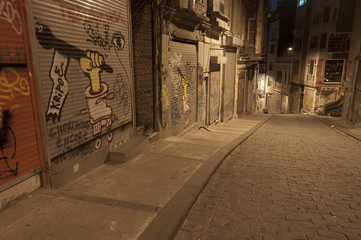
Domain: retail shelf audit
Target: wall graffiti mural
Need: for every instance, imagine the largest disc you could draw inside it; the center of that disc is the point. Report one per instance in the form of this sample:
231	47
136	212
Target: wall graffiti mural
185	83
12	55
97	95
107	42
88	85
181	74
8	147
9	13
78	13
175	115
166	102
61	57
11	83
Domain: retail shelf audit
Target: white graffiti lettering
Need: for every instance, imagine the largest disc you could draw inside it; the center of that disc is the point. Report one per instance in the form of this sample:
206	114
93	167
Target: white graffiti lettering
60	84
9	14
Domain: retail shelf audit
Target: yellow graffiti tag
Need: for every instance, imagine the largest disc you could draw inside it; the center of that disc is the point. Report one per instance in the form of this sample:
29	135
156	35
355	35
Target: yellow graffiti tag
165	95
185	83
11	82
18	85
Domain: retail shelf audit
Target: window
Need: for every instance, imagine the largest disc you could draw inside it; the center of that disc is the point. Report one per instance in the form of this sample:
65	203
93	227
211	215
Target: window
279	76
221	6
334	13
314	41
271	66
339	42
262	68
297	44
272	48
326	14
251	31
300	22
295	66
274	33
333	71
301	2
310	67
317	16
269	84
323	40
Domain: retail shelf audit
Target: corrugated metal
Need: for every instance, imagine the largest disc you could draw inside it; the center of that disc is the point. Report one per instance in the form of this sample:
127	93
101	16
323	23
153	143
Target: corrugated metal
214	103
228	87
241	91
203	66
82	51
11	37
183	73
18	140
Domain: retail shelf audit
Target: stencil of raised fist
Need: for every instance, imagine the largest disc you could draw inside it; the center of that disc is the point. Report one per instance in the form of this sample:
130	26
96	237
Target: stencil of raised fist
91	64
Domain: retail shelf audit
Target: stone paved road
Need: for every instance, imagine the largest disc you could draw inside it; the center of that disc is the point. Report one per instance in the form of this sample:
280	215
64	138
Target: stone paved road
295	178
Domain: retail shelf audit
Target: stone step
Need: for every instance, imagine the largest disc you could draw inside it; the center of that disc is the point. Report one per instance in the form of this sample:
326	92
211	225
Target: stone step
131	148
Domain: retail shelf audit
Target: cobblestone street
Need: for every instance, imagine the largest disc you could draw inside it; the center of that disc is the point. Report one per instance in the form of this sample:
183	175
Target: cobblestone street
295	178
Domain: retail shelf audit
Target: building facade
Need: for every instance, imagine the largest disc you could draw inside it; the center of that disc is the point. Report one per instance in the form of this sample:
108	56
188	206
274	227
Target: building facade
321	47
81	78
352	85
279	58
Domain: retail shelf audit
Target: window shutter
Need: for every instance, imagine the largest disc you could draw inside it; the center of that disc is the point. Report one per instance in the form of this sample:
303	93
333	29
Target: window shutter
326	14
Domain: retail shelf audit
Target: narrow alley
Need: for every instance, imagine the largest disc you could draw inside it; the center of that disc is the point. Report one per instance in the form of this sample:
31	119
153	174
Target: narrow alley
295	178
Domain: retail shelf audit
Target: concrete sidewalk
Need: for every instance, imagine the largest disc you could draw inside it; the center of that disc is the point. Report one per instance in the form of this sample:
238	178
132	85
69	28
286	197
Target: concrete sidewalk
145	198
341	125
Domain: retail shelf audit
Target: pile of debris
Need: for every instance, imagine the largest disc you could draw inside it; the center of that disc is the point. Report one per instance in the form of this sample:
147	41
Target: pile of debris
333	109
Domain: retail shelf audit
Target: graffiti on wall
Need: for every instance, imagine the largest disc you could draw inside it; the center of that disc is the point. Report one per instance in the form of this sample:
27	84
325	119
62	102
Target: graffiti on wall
12	55
186	78
106	41
9	13
175	115
97	94
80	14
11	83
165	101
214	97
181	76
69	132
92	64
115	41
7	147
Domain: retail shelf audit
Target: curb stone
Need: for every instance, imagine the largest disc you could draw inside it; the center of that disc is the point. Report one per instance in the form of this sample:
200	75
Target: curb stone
167	222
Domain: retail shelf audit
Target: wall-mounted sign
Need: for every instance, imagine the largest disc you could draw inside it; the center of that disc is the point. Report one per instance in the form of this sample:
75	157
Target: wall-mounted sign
333	71
339	42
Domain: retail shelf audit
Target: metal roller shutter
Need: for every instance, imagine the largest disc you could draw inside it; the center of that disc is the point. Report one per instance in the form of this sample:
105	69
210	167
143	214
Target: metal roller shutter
228	87
83	53
214	98
183	72
19	153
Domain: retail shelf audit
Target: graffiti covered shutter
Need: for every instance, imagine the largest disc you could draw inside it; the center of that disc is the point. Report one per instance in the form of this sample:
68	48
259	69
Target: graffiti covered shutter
228	87
183	71
19	153
214	98
83	53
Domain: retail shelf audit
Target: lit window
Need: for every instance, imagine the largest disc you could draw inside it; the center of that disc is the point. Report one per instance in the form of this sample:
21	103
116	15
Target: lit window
301	2
333	71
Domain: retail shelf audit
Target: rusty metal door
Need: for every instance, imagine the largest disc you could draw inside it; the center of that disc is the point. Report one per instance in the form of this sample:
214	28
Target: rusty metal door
19	150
